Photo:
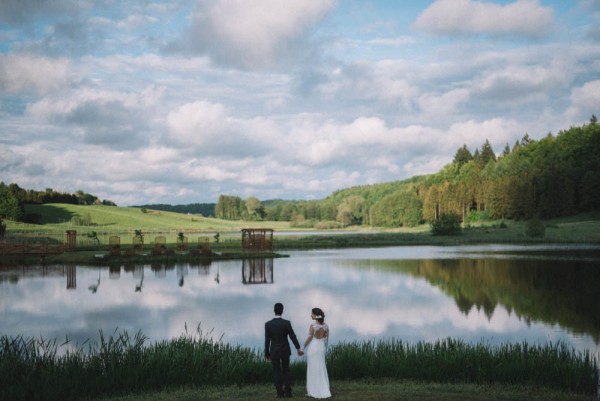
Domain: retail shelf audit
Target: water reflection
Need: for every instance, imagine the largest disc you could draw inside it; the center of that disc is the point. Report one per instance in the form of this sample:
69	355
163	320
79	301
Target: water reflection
554	291
138	287
72	278
72	271
413	293
257	271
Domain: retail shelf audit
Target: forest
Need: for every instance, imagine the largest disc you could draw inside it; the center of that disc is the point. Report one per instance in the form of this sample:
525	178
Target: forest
556	176
205	209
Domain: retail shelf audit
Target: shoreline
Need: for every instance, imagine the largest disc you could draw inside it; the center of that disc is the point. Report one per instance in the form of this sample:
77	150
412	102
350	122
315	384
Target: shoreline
232	250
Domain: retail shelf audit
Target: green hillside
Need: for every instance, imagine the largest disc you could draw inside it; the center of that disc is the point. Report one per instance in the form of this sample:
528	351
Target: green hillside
60	217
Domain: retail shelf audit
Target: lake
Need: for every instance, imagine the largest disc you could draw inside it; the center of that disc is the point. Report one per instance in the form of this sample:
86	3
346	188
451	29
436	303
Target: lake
492	293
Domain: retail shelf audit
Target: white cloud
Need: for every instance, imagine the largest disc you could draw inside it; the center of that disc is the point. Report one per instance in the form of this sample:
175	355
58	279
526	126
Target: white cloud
514	81
442	105
450	17
382	83
498	131
198	123
207	129
118	120
28	72
584	101
135	21
252	34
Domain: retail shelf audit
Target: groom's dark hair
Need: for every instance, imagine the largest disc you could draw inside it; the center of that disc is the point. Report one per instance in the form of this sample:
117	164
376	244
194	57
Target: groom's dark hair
278	308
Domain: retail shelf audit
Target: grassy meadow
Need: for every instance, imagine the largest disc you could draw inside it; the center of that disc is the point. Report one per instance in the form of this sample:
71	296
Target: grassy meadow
113	219
55	219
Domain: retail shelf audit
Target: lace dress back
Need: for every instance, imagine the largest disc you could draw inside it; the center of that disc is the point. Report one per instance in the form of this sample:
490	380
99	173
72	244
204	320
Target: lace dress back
320	331
317	380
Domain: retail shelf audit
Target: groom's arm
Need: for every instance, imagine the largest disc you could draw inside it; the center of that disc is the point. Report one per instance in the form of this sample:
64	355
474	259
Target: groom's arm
267	342
294	339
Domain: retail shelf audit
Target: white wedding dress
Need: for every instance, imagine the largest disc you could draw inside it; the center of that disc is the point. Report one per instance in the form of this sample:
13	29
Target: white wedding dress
317	381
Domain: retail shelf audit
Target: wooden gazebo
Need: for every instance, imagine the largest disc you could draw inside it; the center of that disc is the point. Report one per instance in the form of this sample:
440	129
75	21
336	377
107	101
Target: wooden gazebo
257	239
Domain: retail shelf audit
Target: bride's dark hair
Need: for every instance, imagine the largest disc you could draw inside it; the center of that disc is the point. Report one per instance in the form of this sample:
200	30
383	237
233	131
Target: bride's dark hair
319	314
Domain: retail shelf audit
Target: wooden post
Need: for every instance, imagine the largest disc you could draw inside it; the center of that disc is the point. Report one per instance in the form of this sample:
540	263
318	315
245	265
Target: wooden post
71	240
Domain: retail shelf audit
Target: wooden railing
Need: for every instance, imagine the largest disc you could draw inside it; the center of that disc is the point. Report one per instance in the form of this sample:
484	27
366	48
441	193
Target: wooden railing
8	249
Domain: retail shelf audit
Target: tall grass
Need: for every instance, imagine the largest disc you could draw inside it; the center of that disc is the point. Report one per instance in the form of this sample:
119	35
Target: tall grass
36	369
451	360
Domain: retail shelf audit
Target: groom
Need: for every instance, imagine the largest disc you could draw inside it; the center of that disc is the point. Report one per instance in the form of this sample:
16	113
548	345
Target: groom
277	349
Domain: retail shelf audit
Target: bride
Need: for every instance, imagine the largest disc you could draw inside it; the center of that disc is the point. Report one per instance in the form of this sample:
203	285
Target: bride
317	381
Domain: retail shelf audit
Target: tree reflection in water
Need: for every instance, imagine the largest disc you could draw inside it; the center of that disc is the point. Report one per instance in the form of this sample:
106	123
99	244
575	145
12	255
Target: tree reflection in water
553	291
412	292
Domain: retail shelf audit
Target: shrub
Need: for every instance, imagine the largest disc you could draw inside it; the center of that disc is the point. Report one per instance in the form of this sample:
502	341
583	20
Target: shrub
446	224
476	216
535	228
328	225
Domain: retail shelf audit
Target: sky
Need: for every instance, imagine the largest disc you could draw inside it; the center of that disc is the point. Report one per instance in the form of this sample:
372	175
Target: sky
180	101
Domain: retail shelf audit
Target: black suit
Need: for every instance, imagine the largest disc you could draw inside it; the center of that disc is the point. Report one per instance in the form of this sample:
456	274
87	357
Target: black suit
277	348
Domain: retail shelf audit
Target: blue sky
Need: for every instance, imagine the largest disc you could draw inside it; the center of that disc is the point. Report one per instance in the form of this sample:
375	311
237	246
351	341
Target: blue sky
181	101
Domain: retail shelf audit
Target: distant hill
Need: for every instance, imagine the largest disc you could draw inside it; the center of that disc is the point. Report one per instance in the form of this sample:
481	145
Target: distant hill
205	209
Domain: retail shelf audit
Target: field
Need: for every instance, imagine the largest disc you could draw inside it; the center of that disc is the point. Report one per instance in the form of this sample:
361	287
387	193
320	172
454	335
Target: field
55	219
112	219
106	221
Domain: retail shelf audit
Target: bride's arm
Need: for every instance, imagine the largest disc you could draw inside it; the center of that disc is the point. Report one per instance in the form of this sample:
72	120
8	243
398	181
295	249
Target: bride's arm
311	333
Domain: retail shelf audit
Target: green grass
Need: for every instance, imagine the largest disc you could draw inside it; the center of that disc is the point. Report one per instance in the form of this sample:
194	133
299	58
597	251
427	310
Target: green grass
111	220
366	390
57	218
33	369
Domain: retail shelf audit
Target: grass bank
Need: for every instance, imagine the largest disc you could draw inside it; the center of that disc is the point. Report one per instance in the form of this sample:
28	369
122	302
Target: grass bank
224	238
37	369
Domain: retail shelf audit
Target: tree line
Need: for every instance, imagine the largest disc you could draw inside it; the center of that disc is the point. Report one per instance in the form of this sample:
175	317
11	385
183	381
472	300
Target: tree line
13	198
205	209
558	175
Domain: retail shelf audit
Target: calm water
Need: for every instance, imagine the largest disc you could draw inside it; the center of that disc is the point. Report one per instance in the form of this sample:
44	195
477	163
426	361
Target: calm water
494	294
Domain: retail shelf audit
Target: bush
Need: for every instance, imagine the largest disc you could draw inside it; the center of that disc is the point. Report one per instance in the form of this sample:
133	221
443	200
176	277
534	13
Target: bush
328	225
299	221
476	217
2	228
535	228
86	220
446	224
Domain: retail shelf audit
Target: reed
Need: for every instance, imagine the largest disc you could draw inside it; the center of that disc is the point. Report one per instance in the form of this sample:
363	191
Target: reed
451	360
37	369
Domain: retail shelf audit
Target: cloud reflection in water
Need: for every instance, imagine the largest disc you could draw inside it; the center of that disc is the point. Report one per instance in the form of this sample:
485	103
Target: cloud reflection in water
364	297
